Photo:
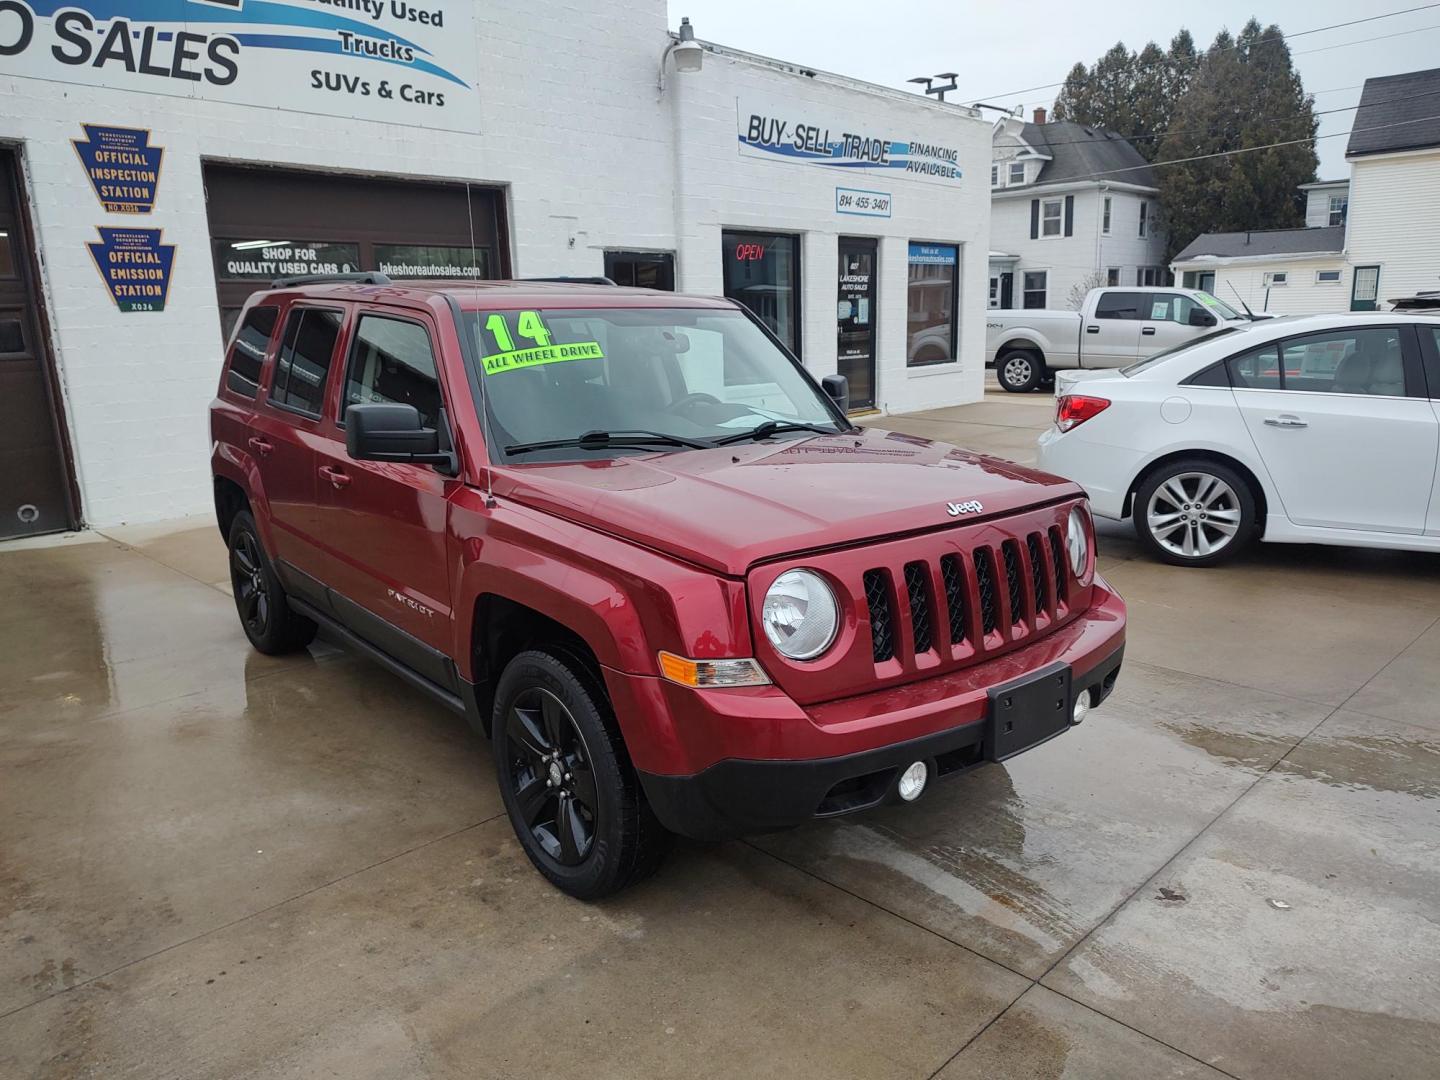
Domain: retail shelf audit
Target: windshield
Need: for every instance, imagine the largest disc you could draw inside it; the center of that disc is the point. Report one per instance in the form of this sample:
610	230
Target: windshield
1151	361
691	374
1221	309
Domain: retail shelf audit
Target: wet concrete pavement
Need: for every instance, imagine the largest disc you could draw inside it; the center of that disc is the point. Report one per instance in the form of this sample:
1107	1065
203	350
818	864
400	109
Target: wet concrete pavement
216	864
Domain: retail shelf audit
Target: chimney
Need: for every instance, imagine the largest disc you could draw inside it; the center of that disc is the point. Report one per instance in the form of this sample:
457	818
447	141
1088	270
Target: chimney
1040	114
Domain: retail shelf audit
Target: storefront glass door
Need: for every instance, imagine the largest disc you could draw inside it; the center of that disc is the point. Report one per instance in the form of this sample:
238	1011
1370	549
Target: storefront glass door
855	319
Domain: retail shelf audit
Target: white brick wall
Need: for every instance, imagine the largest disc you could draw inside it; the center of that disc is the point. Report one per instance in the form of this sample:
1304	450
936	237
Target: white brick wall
589	153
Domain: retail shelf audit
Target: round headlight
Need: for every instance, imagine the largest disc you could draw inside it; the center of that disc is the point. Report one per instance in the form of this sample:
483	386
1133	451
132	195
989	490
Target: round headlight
800	615
1077	542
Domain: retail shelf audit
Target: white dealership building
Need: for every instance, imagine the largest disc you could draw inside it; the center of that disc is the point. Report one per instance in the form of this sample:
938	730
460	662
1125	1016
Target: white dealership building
160	164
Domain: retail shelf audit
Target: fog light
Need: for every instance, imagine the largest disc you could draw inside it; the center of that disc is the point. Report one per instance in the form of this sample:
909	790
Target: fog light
1082	707
912	781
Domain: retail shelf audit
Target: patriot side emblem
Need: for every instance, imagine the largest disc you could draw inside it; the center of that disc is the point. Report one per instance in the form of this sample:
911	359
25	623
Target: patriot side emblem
974	506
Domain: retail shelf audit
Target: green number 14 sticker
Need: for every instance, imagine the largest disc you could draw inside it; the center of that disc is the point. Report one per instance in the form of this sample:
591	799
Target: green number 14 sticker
531	327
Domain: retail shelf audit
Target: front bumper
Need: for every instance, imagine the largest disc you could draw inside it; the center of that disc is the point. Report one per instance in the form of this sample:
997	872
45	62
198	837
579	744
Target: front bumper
847	755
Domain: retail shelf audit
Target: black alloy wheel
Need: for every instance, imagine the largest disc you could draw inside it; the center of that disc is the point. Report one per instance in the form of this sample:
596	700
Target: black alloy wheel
550	776
269	622
247	579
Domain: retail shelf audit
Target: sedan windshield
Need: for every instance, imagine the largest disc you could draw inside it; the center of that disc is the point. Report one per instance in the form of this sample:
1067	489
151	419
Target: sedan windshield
584	384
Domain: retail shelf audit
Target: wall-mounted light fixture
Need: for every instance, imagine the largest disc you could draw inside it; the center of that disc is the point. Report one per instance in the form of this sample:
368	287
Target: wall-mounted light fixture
689	54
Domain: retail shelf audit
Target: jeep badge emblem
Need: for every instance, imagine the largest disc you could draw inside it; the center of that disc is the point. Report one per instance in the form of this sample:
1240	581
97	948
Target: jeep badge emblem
974	506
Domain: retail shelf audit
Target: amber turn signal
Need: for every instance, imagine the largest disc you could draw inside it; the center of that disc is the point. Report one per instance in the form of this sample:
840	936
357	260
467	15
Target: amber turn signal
711	673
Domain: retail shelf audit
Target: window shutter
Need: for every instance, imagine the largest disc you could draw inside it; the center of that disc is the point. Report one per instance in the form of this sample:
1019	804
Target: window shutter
1034	219
1069	215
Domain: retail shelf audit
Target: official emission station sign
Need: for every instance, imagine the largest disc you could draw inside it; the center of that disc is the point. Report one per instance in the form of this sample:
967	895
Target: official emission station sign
135	267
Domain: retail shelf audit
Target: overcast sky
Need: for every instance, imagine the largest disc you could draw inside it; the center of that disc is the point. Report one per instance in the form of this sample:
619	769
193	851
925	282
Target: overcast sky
1000	50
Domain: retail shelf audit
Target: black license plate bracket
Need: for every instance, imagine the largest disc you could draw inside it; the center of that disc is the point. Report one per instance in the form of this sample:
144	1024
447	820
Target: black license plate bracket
1028	711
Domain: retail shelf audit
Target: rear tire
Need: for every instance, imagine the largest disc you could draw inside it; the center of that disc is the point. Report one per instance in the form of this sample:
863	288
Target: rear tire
1020	371
573	797
265	614
1195	512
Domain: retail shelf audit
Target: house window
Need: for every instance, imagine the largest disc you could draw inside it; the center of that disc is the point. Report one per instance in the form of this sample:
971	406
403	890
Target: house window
1338	204
1112	276
994	175
1034	289
931	304
1276	278
1105	218
1052	217
994	291
1149	275
1144	218
1017	172
1327	277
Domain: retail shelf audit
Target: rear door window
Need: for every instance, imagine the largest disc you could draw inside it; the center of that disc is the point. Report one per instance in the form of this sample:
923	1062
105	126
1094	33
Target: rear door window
247	352
1258	369
303	364
392	361
1119	305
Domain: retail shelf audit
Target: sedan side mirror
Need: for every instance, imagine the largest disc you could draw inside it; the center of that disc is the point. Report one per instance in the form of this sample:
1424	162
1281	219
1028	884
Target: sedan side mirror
392	432
1201	318
837	387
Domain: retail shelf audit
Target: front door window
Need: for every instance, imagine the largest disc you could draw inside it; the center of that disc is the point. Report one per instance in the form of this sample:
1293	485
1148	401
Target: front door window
1365	291
762	271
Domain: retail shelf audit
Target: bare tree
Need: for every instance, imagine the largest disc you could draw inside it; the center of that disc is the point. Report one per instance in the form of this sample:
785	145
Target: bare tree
1081	288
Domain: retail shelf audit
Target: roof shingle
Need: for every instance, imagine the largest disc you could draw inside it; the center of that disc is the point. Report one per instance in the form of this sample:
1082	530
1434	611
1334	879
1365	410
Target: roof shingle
1085	153
1410	102
1234	245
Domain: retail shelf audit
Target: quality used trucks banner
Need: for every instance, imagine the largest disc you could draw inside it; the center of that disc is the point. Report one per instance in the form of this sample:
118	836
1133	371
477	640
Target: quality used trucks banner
396	60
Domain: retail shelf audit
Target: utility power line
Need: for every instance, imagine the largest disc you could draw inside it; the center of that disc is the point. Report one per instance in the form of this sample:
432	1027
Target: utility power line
1283	38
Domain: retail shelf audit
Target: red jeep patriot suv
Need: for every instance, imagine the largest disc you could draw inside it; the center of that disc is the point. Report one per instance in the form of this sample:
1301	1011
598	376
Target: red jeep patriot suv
633	541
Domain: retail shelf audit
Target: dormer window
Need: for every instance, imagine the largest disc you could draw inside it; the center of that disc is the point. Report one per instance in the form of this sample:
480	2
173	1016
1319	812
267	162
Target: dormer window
1017	172
994	175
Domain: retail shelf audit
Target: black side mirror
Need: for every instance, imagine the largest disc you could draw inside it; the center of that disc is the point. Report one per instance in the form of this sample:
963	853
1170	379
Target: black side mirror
838	389
1201	318
392	432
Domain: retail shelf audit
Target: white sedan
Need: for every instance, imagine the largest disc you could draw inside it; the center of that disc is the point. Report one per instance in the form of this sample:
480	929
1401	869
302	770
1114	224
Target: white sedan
1320	429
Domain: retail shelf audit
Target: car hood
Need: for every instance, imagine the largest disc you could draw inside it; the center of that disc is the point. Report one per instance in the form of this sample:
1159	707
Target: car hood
731	507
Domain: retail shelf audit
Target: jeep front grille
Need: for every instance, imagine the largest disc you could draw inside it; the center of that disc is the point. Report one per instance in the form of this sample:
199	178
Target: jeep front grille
1031	599
877	600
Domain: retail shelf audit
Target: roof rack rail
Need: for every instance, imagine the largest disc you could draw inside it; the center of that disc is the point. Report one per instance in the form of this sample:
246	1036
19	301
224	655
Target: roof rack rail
597	280
362	277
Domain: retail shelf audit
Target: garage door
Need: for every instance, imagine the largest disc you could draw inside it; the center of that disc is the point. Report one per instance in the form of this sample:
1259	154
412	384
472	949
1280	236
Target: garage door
34	477
267	223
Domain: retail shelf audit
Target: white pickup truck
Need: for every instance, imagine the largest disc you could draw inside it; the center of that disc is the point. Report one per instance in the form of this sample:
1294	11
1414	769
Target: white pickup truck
1115	327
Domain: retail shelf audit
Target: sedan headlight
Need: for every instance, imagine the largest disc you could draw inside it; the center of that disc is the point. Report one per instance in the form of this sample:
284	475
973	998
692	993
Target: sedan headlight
1077	543
800	615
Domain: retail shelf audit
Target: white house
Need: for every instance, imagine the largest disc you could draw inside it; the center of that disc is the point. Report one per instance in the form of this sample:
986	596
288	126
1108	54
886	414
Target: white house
1373	237
157	165
1072	207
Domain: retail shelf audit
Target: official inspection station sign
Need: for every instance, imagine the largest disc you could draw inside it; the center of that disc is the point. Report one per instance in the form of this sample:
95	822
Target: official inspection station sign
123	168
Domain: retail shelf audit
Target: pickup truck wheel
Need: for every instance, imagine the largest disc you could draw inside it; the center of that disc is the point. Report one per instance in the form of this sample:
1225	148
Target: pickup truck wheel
265	613
1020	371
567	782
1195	513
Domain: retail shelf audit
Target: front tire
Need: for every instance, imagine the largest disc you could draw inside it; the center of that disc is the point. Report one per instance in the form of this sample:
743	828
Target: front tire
573	797
265	614
1020	371
1195	512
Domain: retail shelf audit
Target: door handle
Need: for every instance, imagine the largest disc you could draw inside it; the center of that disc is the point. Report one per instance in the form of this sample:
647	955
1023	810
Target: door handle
1092	329
1285	421
1148	331
337	478
260	446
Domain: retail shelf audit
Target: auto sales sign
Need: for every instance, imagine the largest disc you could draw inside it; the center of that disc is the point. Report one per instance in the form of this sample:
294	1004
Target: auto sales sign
395	60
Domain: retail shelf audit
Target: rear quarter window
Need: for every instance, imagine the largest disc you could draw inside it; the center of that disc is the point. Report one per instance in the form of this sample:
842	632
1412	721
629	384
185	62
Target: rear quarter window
247	351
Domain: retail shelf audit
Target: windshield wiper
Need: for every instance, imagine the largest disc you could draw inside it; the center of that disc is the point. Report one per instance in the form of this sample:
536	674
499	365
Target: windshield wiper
608	440
772	427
